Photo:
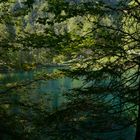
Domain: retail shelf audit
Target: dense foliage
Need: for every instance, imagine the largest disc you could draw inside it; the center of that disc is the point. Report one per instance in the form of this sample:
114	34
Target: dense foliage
99	40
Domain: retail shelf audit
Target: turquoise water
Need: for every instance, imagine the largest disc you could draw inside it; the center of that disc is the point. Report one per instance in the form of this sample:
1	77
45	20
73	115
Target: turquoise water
53	88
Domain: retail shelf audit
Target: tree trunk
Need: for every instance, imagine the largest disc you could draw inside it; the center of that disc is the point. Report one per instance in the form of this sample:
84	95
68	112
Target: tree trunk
138	126
137	137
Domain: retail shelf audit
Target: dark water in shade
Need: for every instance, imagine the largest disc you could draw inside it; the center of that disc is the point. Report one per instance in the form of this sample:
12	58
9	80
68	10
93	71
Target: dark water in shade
55	88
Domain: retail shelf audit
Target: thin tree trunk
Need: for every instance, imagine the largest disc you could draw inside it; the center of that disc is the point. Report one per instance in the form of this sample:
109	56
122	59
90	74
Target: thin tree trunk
138	126
137	137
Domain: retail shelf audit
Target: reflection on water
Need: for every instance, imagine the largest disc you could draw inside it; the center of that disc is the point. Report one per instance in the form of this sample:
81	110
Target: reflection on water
54	88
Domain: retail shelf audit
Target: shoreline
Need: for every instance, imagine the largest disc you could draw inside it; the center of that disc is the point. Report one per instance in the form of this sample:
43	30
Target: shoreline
4	69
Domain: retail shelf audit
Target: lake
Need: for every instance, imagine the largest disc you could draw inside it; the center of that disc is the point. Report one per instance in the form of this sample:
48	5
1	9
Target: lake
54	90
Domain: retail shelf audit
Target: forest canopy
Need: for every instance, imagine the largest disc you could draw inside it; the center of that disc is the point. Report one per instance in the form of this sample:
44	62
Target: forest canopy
97	42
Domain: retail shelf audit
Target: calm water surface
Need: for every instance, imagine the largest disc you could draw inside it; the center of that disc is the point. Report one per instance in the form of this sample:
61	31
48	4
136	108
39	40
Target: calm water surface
55	89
